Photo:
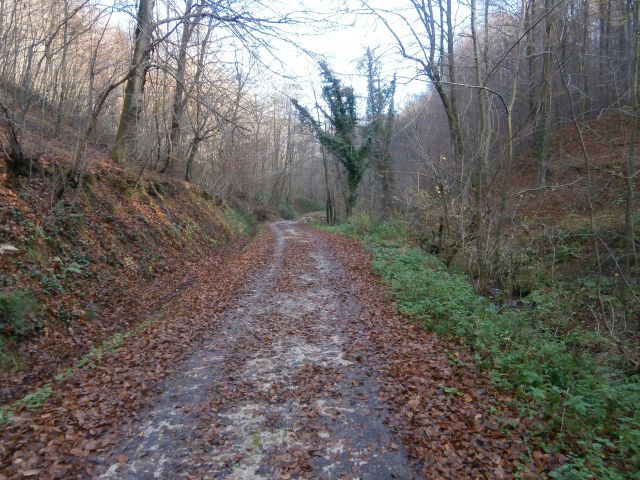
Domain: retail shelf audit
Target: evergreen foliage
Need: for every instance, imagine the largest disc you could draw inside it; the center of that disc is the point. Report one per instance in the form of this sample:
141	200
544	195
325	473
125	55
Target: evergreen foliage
342	138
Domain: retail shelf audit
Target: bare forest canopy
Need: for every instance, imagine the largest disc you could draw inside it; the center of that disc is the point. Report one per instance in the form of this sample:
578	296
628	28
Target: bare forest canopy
528	112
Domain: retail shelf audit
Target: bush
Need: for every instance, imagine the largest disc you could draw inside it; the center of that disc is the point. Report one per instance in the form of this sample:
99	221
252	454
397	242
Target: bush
361	224
287	212
241	223
17	311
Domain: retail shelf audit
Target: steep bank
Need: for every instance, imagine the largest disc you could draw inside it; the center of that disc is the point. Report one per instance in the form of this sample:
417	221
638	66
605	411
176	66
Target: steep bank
79	268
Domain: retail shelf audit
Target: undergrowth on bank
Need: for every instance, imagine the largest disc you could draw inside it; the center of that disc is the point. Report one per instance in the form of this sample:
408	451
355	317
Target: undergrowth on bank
242	223
569	379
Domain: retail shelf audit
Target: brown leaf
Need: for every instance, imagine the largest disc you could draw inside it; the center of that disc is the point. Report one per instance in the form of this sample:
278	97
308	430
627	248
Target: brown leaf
30	473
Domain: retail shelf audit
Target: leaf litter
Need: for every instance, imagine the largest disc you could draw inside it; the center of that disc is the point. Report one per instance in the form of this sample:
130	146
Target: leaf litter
285	363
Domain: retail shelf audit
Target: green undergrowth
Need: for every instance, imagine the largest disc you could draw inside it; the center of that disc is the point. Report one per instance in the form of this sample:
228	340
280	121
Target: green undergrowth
573	380
300	206
287	212
17	311
18	317
242	223
91	360
306	205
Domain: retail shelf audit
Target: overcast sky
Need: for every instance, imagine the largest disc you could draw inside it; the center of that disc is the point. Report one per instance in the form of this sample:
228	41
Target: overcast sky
342	44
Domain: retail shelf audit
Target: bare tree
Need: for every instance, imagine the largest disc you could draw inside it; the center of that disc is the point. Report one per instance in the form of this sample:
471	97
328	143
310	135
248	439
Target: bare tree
630	254
430	40
134	89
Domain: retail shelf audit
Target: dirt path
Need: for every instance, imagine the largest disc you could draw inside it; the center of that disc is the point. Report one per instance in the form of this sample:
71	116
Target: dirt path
271	394
287	363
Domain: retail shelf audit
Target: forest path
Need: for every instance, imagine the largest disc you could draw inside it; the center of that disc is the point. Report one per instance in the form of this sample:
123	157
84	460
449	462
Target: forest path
272	393
286	361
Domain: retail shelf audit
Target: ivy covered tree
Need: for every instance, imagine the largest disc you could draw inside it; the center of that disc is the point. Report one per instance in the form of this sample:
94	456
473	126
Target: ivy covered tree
342	138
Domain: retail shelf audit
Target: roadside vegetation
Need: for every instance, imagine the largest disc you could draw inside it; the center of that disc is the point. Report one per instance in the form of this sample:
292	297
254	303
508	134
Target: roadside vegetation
576	382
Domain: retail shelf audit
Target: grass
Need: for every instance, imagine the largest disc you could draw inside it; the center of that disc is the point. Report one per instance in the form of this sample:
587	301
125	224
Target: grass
588	404
241	223
91	360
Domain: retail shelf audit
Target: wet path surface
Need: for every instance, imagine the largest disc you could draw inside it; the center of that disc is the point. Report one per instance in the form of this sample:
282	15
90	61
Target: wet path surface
272	392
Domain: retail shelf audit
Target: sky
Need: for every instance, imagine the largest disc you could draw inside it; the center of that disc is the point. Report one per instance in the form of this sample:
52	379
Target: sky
342	42
344	45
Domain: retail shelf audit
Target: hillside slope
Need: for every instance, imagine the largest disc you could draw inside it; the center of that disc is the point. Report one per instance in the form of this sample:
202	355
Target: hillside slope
605	141
78	269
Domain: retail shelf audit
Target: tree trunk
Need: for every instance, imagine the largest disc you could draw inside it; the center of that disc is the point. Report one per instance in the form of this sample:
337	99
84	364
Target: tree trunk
454	121
20	164
543	123
483	139
200	133
134	90
584	58
506	174
193	149
629	234
352	197
178	106
528	20
387	173
64	74
386	184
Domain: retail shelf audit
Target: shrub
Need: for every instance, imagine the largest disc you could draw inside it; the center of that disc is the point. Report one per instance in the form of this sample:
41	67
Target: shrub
17	311
240	223
361	224
287	212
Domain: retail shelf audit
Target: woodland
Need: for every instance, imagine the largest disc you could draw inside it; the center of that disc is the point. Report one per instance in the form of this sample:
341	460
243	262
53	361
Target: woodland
144	144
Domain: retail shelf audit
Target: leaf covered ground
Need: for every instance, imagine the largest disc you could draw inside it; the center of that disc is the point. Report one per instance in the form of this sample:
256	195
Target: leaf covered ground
284	362
76	271
86	411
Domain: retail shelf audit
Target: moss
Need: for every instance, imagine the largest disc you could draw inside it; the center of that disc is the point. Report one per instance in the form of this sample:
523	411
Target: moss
17	313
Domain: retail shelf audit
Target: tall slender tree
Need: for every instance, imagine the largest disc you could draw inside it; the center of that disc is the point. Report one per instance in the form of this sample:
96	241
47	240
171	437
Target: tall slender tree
543	114
134	90
631	163
380	118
